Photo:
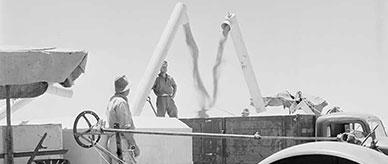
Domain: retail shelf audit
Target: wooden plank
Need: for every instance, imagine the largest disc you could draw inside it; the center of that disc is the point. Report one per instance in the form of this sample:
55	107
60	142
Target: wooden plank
224	143
212	147
207	150
36	150
196	125
251	151
8	136
40	153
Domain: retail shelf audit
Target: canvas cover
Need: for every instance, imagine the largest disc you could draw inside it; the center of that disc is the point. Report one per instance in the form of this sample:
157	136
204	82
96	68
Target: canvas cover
29	71
308	104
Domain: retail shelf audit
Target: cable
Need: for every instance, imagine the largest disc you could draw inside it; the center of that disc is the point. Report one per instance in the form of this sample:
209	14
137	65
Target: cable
101	155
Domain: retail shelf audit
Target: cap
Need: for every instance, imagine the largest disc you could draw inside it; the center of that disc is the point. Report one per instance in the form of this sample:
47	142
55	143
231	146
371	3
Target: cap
121	84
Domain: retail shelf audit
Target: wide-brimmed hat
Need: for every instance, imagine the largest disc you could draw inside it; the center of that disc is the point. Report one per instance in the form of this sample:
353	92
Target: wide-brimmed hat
121	84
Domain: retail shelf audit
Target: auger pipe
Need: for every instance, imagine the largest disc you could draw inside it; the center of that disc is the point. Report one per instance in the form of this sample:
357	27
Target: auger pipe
230	25
212	135
178	17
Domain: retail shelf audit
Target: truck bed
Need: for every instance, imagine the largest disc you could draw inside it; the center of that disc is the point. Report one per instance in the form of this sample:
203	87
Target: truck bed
231	151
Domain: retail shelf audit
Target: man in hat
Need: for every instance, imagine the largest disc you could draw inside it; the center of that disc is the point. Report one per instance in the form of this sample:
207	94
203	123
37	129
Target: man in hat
165	89
118	113
245	112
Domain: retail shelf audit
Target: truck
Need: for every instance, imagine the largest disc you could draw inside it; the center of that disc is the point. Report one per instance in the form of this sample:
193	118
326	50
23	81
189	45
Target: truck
215	150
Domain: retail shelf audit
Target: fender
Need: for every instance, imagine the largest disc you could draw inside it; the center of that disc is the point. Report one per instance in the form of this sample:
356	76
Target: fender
338	150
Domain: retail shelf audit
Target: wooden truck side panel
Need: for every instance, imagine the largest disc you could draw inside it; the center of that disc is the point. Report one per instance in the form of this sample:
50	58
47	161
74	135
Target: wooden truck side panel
230	151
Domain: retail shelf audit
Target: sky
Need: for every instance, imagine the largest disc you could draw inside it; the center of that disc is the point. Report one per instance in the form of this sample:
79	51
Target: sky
333	49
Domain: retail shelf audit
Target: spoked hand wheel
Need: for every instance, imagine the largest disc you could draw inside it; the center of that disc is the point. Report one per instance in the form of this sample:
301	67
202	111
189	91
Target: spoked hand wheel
83	137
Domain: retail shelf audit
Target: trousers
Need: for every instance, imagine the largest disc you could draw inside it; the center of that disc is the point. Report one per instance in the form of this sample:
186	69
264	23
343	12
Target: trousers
166	104
128	155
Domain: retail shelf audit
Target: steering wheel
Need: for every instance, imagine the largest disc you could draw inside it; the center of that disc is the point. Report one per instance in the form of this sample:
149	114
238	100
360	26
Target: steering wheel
91	139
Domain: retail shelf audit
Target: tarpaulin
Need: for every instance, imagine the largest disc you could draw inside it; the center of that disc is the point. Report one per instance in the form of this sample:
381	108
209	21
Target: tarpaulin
28	71
309	104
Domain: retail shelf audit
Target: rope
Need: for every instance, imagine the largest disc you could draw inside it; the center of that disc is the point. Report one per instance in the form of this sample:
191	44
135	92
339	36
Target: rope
99	153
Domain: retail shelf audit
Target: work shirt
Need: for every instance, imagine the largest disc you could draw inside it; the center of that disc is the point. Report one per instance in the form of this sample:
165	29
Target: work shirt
164	85
118	112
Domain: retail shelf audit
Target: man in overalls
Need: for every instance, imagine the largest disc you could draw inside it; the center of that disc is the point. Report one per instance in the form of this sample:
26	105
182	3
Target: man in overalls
118	114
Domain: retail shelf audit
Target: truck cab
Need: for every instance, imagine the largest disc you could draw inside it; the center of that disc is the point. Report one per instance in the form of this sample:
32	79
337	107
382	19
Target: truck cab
333	125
